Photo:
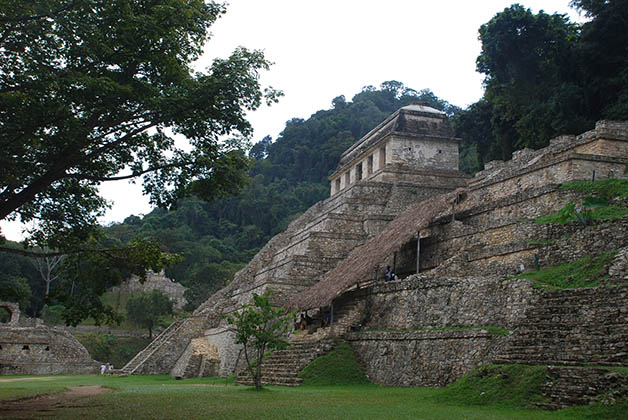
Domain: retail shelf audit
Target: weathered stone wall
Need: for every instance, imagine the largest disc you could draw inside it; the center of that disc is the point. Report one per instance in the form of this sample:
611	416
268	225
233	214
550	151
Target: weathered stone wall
428	331
231	356
440	153
199	359
422	358
425	302
42	350
566	387
28	347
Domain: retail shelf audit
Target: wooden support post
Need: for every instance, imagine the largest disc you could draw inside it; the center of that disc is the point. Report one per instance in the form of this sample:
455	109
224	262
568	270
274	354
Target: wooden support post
395	263
418	253
331	319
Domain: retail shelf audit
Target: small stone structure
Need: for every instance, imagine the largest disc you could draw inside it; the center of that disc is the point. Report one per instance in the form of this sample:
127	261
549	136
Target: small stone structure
28	347
155	281
457	305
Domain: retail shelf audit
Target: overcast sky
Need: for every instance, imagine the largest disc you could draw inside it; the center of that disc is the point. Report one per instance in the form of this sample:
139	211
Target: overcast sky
326	48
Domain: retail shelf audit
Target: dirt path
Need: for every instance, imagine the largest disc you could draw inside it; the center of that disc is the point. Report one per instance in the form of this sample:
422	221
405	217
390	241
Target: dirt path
43	405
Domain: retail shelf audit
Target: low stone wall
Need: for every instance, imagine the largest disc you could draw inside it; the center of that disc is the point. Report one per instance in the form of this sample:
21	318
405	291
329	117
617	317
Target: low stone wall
424	302
422	358
425	331
418	331
231	356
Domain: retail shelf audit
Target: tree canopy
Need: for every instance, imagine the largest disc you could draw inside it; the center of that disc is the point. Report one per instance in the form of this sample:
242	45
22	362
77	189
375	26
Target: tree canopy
146	309
546	76
96	91
93	91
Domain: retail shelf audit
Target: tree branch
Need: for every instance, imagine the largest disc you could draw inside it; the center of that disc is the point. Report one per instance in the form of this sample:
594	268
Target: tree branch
35	17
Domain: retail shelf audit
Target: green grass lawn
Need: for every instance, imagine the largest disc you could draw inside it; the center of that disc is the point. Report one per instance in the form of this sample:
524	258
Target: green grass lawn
160	397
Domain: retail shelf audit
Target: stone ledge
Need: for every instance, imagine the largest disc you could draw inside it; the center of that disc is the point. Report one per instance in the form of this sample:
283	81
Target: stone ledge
513	172
440	334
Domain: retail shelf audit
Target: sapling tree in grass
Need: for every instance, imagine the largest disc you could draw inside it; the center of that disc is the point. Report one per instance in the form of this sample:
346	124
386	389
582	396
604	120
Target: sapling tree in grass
260	327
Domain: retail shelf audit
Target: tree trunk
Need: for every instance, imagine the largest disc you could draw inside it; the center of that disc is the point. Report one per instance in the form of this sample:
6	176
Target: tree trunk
258	374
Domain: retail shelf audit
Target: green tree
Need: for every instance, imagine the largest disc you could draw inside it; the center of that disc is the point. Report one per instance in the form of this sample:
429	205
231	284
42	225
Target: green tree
146	309
530	78
90	89
479	145
96	91
85	279
259	328
603	57
14	289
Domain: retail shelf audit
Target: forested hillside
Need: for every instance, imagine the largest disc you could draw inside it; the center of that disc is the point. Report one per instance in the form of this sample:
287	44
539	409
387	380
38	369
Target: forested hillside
288	175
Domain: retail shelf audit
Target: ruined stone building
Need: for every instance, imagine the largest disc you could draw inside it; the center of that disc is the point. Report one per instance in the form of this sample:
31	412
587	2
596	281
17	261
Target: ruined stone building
154	281
28	347
398	199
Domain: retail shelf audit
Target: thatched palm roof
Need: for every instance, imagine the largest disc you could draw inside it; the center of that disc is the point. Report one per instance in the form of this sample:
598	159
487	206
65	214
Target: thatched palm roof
366	258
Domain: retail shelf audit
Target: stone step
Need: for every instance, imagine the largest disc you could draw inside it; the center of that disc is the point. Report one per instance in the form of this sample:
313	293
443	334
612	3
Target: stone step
283	366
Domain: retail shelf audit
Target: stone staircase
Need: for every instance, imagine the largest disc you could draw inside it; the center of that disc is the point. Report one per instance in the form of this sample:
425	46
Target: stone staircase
282	367
320	239
572	328
570	331
167	345
566	387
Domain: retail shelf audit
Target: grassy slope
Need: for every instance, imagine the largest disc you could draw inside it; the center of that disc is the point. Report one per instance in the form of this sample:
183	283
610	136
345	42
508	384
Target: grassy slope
605	188
338	367
502	385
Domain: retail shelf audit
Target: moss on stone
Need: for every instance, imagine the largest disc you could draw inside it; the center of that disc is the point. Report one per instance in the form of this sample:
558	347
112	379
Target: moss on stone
605	188
583	272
